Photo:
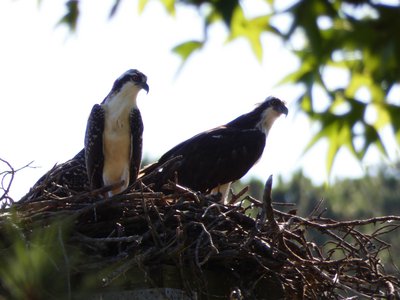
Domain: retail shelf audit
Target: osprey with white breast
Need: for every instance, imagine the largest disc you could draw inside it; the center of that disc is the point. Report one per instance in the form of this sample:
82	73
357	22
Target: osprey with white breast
113	140
113	145
213	159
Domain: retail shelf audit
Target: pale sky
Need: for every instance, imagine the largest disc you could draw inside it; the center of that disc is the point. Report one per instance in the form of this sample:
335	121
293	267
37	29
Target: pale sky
50	80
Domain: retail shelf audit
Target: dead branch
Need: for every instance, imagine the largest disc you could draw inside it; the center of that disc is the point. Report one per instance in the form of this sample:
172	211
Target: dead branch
7	178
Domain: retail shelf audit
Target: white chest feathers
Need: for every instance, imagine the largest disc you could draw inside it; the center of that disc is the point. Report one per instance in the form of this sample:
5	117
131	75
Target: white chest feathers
117	143
267	119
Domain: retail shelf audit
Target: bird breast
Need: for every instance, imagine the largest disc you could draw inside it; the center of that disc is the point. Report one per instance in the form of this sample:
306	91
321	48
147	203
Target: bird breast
268	118
116	147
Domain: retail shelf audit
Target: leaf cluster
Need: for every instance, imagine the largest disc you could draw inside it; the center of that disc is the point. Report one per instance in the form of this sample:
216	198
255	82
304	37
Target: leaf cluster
360	39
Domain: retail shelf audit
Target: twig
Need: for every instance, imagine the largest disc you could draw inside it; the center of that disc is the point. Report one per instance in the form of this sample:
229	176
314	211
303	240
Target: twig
150	224
323	223
267	210
5	187
214	249
127	239
238	195
154	170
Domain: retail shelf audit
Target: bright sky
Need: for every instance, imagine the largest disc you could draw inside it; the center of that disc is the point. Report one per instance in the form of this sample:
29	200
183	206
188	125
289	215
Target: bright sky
50	80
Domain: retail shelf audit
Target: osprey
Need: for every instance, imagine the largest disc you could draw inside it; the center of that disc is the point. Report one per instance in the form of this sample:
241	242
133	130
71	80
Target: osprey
113	140
213	159
113	145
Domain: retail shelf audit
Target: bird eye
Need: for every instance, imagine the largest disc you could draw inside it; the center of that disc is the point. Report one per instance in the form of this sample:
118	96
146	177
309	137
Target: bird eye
136	78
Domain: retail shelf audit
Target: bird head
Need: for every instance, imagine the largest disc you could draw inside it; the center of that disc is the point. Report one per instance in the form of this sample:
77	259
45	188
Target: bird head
133	77
271	109
277	105
128	84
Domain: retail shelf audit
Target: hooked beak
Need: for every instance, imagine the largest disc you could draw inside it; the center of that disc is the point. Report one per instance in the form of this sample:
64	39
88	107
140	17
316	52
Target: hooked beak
282	109
145	86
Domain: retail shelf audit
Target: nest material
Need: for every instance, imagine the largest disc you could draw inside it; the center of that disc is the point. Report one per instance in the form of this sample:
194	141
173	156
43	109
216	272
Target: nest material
271	255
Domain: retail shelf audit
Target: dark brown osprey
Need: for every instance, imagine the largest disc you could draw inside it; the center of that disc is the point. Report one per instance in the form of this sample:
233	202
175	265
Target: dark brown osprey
113	141
213	159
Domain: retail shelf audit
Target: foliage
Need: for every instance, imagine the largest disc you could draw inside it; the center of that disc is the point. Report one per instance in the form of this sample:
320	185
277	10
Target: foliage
365	44
30	260
357	39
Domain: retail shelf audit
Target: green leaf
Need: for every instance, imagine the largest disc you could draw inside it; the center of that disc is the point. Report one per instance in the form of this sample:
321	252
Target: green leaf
298	75
383	115
226	9
338	132
333	149
306	103
372	137
394	113
357	81
186	49
142	5
323	132
71	17
338	100
250	29
377	93
169	5
339	135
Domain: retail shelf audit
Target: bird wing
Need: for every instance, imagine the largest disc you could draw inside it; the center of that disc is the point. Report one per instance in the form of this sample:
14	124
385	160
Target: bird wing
217	156
94	157
136	124
70	174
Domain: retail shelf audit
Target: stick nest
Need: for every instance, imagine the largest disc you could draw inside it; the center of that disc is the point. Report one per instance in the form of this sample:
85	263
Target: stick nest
199	236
